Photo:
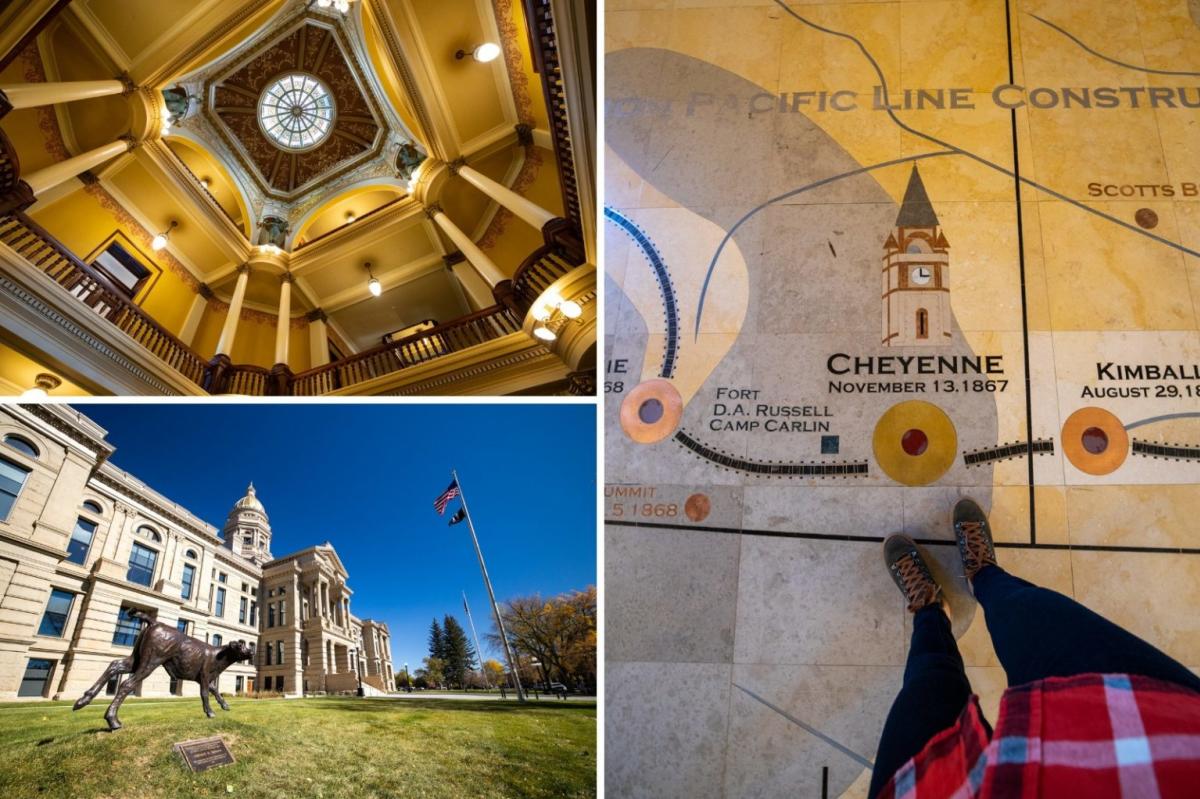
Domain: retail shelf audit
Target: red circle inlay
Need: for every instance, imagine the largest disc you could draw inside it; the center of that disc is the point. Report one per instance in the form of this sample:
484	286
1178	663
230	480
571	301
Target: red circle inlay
1095	440
914	441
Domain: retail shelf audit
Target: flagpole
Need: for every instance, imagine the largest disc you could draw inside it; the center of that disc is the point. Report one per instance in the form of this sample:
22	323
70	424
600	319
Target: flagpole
512	666
475	635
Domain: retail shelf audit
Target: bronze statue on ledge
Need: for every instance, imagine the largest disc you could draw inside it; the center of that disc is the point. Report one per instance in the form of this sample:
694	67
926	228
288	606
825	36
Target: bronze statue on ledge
182	656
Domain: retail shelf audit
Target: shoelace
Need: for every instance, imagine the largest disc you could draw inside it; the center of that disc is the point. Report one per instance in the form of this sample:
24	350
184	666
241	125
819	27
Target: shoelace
917	584
977	546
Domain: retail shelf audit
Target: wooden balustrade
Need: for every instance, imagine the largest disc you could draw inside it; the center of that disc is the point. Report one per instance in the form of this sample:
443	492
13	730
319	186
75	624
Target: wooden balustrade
480	327
544	44
97	292
247	380
544	266
14	195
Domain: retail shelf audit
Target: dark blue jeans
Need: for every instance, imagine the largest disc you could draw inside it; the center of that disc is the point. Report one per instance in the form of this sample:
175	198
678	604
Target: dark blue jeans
1037	633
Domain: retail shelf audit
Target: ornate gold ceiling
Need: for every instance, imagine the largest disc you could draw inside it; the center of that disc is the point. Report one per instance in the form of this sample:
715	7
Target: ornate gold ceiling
310	46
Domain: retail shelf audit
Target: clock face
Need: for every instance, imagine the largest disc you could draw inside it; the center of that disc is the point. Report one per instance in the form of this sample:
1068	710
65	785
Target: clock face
921	275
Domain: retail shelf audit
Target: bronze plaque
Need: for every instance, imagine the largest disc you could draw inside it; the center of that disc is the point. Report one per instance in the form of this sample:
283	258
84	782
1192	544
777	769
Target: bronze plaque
202	754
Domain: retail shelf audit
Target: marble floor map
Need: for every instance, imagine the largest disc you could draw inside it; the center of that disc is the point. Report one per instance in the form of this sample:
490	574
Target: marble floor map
863	259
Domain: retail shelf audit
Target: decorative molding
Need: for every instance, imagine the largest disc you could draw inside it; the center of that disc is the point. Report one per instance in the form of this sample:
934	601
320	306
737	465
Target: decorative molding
433	210
525	178
453	166
56	421
69	326
510	43
143	236
316	315
524	134
33	71
430	386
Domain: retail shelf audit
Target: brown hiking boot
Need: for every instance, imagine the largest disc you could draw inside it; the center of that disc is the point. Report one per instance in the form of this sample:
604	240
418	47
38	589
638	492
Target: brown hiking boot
974	537
910	572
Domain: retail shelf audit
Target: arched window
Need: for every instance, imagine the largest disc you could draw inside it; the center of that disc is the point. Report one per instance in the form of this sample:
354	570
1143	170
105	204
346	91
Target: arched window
922	323
149	533
917	245
22	445
94	507
216	639
190	554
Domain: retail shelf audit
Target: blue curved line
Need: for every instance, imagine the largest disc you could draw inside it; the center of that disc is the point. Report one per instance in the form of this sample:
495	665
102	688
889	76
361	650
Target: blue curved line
712	265
1163	418
671	353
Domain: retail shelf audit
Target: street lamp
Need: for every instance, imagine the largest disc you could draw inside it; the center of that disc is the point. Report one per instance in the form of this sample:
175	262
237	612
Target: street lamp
545	674
407	681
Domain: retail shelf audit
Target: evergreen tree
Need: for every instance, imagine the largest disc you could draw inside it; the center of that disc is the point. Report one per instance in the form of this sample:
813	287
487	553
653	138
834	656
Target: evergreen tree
437	641
459	656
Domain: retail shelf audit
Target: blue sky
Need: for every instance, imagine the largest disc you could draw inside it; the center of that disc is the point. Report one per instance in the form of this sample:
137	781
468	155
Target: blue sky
364	477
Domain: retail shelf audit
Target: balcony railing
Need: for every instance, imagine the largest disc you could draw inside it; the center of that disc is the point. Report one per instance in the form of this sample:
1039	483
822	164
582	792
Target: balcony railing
97	292
480	327
544	266
544	44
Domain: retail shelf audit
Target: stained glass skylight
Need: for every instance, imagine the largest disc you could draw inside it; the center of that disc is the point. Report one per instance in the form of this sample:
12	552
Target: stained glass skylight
296	111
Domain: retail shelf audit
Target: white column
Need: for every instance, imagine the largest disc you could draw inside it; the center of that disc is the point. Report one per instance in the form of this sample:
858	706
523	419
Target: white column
490	272
229	331
318	339
195	313
30	95
283	327
532	213
51	176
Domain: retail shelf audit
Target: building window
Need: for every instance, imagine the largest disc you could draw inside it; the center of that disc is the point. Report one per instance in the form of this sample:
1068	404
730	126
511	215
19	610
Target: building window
279	653
242	611
81	540
190	554
922	323
282	612
37	676
149	533
296	111
238	685
54	620
111	686
220	608
94	507
182	626
21	445
253	614
12	479
122	268
141	565
217	639
222	577
270	658
127	628
189	580
271	614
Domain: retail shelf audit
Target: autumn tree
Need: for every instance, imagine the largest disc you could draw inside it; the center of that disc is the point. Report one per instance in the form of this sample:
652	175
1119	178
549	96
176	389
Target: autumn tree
559	632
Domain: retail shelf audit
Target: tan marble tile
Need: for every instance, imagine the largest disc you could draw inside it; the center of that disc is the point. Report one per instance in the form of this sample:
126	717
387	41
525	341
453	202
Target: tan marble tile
940	51
665	728
1153	596
788	589
1145	516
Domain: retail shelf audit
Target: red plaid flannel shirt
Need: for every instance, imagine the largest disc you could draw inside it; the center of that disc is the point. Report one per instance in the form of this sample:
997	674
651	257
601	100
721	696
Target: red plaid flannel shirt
1098	736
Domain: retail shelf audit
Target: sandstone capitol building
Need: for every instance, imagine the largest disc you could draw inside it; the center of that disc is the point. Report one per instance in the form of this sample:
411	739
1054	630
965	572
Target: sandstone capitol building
82	543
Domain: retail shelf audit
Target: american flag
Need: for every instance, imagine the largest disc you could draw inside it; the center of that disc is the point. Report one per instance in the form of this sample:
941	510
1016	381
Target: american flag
450	493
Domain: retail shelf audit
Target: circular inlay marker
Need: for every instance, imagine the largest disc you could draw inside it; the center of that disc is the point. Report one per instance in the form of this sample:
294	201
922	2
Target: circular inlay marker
697	507
1145	217
1094	441
651	411
915	442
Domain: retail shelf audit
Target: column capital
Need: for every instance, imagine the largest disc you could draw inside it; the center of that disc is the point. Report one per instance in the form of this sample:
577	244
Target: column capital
433	210
524	134
5	105
458	163
127	82
316	315
89	178
452	258
287	277
132	141
244	269
205	291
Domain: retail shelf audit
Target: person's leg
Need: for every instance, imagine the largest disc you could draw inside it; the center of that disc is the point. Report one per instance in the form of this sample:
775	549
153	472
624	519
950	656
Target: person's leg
934	693
935	688
1039	633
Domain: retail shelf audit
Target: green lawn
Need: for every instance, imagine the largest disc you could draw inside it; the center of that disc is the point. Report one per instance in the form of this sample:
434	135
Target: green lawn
322	747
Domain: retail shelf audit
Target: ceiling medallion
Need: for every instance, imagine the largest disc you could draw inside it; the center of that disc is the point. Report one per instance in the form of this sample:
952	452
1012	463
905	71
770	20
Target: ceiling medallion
296	111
